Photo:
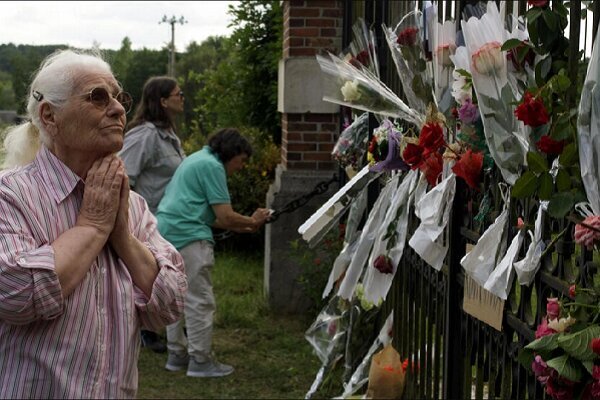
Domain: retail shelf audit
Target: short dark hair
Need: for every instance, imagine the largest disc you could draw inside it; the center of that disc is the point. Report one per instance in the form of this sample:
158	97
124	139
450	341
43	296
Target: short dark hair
228	143
149	108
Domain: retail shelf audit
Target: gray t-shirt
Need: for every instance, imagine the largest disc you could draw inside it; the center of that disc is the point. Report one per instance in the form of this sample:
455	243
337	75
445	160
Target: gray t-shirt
151	156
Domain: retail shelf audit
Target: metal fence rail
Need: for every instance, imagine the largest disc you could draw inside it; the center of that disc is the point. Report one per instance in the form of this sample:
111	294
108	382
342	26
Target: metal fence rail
451	354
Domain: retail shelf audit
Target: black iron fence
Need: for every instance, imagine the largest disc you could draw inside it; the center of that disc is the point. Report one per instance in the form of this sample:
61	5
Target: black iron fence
452	354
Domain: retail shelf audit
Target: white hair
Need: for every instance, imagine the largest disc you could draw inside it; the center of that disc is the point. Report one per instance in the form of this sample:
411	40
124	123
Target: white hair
54	81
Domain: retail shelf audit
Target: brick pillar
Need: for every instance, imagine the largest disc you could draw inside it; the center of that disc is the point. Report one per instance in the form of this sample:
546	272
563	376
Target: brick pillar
310	128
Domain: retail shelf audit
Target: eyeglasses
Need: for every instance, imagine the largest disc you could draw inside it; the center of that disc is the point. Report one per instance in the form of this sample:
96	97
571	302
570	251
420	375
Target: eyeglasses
180	94
99	97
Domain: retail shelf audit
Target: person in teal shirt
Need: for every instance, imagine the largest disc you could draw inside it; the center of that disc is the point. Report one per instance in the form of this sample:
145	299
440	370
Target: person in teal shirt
195	200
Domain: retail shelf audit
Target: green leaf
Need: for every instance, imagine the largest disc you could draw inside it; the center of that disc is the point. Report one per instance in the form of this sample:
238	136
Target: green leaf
546	186
566	367
526	357
578	344
569	155
597	280
533	14
560	204
550	19
510	44
537	162
589	366
563	180
525	186
545	343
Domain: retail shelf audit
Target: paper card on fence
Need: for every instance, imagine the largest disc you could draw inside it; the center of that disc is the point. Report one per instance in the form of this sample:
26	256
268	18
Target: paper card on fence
482	304
321	220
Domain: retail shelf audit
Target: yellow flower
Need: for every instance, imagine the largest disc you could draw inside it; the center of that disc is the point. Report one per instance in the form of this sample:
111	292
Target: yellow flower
560	325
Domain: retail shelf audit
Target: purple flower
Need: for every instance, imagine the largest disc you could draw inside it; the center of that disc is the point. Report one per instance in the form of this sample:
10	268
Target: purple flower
393	161
468	112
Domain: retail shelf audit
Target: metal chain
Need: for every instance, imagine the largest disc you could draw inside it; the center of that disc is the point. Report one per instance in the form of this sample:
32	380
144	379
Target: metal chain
292	206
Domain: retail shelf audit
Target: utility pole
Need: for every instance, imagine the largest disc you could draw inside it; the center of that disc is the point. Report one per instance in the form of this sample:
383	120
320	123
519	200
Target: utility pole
172	21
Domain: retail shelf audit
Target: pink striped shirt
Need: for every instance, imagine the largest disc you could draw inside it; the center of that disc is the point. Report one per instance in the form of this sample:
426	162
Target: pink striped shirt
87	345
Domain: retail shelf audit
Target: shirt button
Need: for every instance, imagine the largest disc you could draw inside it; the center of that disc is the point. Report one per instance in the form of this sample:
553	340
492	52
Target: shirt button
22	260
102	348
103	270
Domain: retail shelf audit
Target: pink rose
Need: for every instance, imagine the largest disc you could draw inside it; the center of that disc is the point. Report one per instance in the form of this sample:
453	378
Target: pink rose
552	308
585	235
468	112
543	329
540	369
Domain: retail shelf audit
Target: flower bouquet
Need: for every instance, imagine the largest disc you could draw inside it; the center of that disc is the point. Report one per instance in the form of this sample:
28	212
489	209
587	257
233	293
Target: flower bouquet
361	90
565	357
349	149
383	153
406	46
362	51
484	38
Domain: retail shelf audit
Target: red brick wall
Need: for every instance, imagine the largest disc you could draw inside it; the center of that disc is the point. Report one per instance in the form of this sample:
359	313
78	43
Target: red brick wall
310	27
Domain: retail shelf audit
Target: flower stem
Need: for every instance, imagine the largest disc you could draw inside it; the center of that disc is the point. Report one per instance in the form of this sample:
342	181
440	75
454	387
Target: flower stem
553	242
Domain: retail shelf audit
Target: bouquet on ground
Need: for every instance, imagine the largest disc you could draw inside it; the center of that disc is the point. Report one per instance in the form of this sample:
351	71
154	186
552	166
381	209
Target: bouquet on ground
565	357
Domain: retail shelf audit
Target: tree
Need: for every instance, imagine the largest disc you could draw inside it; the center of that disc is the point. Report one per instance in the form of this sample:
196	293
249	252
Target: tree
121	59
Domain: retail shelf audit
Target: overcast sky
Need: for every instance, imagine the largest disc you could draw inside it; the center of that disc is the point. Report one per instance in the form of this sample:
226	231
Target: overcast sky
80	23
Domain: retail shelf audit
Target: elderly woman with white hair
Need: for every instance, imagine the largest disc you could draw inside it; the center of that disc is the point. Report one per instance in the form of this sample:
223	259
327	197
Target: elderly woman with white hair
82	265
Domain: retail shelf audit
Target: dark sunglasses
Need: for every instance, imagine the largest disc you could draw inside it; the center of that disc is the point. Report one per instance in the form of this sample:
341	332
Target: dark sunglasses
180	94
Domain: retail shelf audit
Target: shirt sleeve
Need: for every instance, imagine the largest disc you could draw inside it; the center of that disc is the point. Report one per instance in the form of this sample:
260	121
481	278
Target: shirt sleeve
165	304
138	147
214	180
29	286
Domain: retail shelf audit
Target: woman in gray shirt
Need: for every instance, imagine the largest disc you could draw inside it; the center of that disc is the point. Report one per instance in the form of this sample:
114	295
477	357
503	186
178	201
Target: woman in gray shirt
152	152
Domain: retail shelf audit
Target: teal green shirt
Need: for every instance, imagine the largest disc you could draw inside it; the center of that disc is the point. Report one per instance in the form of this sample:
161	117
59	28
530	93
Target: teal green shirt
185	212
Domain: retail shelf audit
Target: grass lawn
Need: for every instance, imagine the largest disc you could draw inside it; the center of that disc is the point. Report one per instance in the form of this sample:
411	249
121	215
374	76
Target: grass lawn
272	359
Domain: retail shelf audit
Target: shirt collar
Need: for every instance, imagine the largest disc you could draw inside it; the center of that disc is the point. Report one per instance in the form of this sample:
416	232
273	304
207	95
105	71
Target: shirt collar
59	179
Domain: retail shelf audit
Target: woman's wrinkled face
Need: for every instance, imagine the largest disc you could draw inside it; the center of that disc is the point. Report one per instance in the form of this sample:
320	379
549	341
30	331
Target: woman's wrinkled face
85	127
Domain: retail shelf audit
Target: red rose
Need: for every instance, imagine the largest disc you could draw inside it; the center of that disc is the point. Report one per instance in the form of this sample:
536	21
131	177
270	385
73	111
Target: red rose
468	167
431	138
550	146
383	264
572	292
532	111
361	59
432	168
408	37
595	345
413	155
537	3
529	58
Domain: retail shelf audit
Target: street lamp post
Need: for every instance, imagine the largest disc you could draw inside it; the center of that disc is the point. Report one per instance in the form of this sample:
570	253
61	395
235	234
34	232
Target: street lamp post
172	21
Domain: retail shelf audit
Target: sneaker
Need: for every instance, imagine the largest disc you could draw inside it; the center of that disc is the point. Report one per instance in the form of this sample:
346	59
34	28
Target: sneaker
152	341
208	369
176	362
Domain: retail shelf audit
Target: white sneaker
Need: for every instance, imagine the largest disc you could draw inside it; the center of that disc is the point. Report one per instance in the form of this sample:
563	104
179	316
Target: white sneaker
208	369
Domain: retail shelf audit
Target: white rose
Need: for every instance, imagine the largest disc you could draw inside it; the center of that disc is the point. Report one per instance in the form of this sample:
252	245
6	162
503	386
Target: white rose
458	88
560	325
350	91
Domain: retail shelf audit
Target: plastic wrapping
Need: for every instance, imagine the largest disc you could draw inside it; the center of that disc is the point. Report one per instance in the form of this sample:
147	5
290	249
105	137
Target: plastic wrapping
395	222
443	38
500	280
350	147
327	334
362	90
434	212
363	49
366	239
384	149
406	46
588	131
481	260
483	40
529	265
361	374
